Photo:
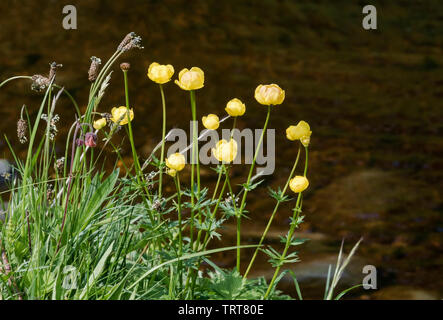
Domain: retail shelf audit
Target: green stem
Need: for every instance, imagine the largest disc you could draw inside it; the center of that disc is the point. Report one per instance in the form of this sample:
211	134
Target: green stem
138	172
294	225
243	202
194	158
180	237
272	216
288	242
162	156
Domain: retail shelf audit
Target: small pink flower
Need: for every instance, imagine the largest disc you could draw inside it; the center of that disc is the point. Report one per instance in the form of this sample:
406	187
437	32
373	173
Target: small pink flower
91	139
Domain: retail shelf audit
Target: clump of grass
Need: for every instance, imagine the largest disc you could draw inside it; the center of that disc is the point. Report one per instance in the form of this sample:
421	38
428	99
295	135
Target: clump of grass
75	231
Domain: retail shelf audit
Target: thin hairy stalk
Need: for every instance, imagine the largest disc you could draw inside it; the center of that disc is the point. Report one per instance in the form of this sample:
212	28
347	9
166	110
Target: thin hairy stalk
279	201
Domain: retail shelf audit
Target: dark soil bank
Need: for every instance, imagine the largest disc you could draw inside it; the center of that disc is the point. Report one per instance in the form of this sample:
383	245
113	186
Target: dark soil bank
373	100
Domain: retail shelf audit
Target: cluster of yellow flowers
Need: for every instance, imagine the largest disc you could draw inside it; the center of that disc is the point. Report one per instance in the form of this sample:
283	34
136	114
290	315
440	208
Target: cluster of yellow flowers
194	79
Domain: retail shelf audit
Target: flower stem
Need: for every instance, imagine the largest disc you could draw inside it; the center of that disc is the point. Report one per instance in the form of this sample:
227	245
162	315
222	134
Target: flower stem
294	225
138	172
162	155
194	158
243	202
180	237
272	216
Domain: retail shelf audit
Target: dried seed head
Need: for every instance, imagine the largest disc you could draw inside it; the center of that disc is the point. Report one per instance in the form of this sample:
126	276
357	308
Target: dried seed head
49	192
59	164
22	129
125	41
125	66
157	205
53	66
39	82
52	125
93	69
129	42
108	117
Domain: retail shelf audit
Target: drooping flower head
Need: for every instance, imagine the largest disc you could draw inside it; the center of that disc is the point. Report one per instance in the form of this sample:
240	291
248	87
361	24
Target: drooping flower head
269	94
235	108
176	161
160	73
298	184
191	79
225	151
120	115
90	139
211	121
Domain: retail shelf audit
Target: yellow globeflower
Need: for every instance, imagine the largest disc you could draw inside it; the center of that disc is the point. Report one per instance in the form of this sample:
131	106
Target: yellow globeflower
298	184
211	121
160	73
100	123
120	115
191	79
269	94
225	151
299	131
235	107
176	162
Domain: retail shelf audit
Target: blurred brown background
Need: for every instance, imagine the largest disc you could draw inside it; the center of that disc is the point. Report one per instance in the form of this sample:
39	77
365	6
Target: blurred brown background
373	100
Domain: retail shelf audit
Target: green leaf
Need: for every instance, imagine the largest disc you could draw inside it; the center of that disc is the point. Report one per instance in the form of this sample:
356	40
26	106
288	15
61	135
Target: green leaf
95	196
97	271
341	294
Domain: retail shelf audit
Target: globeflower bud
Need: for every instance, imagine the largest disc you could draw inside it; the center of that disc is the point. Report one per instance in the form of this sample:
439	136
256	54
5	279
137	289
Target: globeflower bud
171	172
191	79
120	116
160	73
269	94
299	131
211	121
235	107
90	139
225	151
100	123
298	184
176	161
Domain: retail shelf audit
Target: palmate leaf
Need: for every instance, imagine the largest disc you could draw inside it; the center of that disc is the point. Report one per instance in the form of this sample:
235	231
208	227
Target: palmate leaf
294	241
278	195
277	259
228	285
250	187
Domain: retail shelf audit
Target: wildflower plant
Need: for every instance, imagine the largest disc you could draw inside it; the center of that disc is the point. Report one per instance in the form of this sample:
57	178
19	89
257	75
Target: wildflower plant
73	230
